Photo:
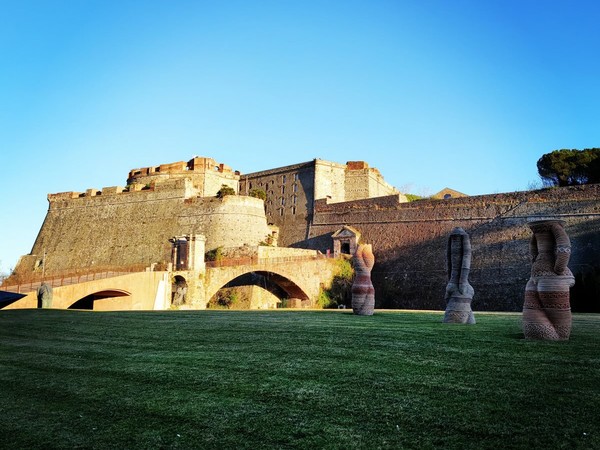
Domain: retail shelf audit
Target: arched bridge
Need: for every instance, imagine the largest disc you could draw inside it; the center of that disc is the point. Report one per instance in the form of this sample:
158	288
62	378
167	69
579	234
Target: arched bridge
298	278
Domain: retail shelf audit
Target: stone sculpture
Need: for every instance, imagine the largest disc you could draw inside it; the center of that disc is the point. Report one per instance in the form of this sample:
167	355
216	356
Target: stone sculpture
179	295
44	296
459	293
547	309
363	293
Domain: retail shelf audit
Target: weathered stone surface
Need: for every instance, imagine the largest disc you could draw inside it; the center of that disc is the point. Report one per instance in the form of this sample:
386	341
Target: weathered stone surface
547	310
411	240
363	293
459	293
132	228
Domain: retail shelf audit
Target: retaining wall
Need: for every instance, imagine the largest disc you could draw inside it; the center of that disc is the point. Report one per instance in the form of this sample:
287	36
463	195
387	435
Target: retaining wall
409	242
132	228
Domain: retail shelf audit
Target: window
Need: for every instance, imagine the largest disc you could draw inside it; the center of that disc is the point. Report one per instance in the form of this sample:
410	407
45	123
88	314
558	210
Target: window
281	211
447	196
295	188
294	198
282	201
295	177
293	210
283	178
283	189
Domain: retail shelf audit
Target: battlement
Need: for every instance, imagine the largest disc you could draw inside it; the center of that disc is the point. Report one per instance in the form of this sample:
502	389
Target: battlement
199	165
199	176
357	165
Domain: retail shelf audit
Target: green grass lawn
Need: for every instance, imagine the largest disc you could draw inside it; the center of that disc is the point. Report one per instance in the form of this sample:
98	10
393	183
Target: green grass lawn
293	379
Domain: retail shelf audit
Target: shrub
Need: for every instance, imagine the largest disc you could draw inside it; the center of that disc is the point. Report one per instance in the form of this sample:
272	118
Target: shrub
413	197
340	292
225	190
324	300
258	193
216	254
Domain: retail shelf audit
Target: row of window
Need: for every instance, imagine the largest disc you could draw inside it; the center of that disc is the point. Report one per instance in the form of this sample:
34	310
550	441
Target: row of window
294	177
281	201
280	210
271	183
282	188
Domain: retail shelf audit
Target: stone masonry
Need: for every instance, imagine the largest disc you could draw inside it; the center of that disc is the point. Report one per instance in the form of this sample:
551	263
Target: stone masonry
409	241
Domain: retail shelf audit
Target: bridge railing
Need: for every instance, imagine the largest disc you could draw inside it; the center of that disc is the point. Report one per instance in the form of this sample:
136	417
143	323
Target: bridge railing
255	260
65	278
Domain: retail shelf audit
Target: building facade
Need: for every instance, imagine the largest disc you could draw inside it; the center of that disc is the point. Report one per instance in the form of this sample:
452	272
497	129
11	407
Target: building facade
292	190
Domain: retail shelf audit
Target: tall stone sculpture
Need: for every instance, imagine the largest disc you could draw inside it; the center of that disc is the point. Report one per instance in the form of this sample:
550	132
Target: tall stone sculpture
363	293
547	309
44	296
459	293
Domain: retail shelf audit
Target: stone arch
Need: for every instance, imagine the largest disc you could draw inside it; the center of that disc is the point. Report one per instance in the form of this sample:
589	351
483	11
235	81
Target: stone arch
116	299
287	287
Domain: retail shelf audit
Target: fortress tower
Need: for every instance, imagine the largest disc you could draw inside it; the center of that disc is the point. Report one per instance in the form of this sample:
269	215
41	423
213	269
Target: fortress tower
206	175
132	226
292	190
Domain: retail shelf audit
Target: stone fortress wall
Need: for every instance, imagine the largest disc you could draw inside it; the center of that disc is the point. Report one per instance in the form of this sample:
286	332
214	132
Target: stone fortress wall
123	226
292	190
289	200
409	241
119	227
132	225
206	174
362	181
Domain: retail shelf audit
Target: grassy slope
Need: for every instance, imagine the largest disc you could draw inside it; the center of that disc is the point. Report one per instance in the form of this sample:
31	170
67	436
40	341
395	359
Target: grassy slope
308	379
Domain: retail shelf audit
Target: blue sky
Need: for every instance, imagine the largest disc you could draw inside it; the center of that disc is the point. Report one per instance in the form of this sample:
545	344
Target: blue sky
458	93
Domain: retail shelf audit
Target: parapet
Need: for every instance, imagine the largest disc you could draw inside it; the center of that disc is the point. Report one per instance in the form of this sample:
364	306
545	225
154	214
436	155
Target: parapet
357	165
196	165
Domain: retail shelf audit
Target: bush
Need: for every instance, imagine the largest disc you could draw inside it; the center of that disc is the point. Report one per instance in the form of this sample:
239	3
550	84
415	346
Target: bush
215	254
324	300
340	292
258	193
413	197
224	299
225	190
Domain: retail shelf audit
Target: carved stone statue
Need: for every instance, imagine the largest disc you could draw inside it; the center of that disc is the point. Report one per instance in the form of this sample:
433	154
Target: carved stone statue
179	295
547	308
44	296
363	293
459	293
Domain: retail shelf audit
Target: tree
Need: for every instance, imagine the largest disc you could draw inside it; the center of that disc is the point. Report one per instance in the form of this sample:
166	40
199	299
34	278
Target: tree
225	190
258	193
570	167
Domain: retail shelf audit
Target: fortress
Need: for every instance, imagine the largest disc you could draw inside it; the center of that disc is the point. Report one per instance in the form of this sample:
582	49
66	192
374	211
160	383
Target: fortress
167	217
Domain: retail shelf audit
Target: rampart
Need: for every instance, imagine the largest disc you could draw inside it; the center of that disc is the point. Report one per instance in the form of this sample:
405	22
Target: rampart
409	242
207	176
119	228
